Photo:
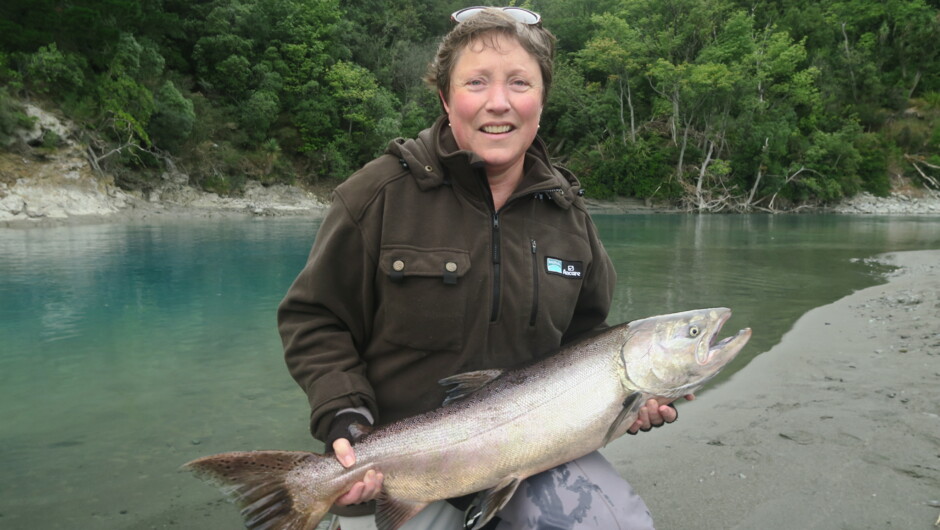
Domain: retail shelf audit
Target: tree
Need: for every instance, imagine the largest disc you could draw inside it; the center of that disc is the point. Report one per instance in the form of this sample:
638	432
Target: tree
173	118
49	70
617	49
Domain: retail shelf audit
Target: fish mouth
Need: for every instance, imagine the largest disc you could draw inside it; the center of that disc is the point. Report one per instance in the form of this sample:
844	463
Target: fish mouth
725	348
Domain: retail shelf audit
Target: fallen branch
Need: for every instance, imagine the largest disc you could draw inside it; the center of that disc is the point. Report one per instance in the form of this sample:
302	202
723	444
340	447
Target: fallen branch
914	160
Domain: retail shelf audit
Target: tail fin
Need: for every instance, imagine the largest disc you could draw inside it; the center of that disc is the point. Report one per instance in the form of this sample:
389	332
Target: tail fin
256	481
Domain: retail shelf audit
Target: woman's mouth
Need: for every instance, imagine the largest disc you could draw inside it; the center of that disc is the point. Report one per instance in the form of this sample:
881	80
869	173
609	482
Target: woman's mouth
496	129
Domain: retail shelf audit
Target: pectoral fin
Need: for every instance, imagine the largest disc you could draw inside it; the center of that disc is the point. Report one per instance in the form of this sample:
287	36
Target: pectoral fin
627	415
494	500
391	514
467	383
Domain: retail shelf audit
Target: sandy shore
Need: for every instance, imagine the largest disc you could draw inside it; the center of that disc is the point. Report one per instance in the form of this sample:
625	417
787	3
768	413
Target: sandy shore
836	427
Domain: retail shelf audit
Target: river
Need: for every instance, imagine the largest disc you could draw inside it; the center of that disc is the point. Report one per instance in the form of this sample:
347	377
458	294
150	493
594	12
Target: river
126	350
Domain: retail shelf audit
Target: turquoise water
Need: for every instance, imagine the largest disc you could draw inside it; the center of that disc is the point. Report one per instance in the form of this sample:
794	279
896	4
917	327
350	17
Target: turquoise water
126	350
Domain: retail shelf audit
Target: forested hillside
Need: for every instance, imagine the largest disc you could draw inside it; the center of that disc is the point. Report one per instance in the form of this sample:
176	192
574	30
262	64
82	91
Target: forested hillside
717	105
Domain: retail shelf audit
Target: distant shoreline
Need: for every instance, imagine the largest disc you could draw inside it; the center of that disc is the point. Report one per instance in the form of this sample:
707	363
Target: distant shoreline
43	206
62	189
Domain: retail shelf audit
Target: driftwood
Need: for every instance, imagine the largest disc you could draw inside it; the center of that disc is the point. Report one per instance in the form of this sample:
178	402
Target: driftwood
915	160
721	199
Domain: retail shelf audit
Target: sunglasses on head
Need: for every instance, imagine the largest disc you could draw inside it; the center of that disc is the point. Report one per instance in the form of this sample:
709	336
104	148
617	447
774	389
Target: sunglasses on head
521	15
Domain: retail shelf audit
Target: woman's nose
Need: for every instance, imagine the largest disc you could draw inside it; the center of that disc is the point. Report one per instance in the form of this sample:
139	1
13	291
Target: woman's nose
498	98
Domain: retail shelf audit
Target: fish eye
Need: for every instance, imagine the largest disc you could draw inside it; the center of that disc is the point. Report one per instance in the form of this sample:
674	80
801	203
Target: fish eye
694	331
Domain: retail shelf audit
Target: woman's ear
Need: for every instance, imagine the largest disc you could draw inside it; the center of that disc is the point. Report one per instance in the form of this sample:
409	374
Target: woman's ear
443	101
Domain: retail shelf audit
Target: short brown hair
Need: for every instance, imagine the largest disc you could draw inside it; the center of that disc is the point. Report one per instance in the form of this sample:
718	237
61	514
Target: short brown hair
539	42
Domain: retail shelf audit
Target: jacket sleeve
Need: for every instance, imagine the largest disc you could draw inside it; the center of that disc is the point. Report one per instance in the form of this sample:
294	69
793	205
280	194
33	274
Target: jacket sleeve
325	320
597	290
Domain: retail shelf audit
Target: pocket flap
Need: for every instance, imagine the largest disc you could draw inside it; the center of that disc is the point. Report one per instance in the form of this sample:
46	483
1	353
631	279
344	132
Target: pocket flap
404	261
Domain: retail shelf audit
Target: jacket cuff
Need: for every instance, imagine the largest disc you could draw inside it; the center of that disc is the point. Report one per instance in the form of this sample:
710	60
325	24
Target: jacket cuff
344	391
340	427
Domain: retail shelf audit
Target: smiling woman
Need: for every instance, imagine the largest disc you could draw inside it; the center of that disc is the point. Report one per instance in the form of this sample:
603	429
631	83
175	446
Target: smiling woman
463	249
494	105
493	73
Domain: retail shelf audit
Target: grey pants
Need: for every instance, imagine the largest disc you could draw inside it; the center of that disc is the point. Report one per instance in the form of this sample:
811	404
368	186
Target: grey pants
584	493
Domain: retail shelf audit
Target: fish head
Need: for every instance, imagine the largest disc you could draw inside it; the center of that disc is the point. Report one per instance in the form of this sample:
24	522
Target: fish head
674	355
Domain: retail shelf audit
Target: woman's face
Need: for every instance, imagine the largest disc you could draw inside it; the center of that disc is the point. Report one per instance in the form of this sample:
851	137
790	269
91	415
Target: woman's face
495	101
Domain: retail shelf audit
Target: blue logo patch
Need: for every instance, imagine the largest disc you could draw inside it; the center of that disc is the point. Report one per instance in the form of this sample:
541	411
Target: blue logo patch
560	267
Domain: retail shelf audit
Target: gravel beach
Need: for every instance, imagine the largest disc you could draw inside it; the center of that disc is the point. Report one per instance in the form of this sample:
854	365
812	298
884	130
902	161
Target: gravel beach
836	427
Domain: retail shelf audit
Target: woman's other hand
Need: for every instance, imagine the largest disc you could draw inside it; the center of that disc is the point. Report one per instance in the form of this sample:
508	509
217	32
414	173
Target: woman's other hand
655	413
363	491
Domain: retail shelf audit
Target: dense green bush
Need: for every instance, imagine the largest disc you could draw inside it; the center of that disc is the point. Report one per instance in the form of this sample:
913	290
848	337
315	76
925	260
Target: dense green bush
873	163
708	102
12	118
49	71
640	169
173	118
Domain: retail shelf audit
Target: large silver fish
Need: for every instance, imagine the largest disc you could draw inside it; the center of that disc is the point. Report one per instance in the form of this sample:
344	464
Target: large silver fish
495	429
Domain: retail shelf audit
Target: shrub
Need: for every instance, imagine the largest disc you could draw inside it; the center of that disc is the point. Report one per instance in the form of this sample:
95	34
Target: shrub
12	118
641	169
173	118
49	70
873	165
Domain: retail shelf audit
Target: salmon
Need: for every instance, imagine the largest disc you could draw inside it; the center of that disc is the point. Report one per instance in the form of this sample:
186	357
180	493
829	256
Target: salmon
495	429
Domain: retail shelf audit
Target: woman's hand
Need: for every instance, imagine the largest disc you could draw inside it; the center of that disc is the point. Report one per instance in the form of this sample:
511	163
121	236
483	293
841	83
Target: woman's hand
655	413
365	490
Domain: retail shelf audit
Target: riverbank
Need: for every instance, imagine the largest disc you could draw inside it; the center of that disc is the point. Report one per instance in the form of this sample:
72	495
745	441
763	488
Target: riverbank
837	426
43	186
54	186
63	189
67	192
48	186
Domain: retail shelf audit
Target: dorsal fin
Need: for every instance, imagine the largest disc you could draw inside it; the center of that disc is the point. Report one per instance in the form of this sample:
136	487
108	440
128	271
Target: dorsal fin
467	383
627	414
391	514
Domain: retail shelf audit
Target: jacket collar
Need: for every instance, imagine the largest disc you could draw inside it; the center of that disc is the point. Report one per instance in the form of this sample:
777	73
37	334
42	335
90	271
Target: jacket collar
434	160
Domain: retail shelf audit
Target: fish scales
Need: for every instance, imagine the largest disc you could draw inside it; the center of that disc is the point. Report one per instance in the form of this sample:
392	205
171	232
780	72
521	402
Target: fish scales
496	429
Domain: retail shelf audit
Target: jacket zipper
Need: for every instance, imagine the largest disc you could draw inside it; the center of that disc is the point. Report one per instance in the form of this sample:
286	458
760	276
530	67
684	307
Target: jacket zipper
535	282
494	312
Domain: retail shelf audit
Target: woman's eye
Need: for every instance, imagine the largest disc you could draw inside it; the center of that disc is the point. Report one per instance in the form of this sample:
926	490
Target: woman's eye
519	84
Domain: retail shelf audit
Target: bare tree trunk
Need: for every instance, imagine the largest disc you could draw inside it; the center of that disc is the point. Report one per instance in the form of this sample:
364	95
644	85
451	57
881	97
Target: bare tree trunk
95	160
760	175
623	121
790	179
632	112
910	94
92	159
701	176
682	146
848	58
675	117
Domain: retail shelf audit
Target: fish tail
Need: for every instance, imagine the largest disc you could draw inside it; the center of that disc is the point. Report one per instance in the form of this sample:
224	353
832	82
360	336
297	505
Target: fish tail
258	482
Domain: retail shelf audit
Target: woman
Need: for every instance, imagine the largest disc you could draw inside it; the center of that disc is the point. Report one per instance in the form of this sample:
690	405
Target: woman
459	250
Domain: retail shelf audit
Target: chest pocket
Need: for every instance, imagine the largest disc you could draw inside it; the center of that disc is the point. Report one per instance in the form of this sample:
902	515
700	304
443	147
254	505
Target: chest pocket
559	262
424	296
